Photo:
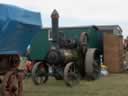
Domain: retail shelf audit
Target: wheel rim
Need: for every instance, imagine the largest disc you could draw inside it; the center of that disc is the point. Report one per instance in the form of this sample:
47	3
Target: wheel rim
11	85
71	76
92	64
39	73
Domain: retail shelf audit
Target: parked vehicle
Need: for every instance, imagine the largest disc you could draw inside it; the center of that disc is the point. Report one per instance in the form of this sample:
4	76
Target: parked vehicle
16	32
64	58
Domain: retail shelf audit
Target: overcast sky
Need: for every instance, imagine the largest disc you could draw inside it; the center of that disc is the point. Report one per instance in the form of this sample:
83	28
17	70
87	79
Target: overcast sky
79	12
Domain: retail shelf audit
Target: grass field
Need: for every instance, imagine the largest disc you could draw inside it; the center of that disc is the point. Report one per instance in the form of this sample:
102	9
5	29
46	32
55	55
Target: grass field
112	85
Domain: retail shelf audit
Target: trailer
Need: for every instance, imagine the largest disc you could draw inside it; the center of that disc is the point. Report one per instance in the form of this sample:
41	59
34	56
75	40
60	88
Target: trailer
17	28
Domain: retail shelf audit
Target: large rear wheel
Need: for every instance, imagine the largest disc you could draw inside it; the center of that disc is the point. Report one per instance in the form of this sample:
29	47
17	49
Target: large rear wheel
71	74
92	64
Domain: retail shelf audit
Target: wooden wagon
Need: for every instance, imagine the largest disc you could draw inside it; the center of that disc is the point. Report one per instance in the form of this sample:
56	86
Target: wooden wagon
17	28
10	77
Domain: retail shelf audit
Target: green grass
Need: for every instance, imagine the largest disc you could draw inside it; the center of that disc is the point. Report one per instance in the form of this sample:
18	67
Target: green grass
112	85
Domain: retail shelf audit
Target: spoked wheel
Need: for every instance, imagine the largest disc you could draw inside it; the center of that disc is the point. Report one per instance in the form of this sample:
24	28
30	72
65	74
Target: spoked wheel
92	64
71	74
39	73
12	85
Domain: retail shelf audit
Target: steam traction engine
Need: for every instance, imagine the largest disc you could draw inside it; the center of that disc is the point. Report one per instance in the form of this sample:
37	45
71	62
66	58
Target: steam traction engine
67	58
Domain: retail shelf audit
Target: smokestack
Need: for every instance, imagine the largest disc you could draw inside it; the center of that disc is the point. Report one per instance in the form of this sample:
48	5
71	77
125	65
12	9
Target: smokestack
55	19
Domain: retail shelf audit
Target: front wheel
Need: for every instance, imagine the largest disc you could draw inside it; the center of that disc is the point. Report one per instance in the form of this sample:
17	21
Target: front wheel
39	73
71	74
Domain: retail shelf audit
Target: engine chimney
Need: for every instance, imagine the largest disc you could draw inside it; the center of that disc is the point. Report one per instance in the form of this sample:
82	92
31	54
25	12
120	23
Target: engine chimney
55	19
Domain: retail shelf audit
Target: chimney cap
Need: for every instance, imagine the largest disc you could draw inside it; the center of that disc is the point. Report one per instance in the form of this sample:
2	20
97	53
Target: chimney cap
55	14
